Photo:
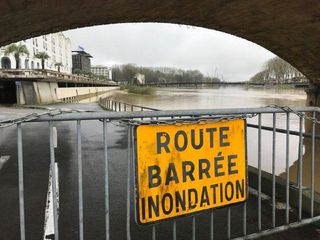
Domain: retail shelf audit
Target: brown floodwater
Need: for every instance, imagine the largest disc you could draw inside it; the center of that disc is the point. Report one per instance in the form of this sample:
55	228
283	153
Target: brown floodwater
221	97
240	97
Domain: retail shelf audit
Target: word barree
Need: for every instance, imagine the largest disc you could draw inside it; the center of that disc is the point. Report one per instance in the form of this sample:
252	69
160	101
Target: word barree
206	169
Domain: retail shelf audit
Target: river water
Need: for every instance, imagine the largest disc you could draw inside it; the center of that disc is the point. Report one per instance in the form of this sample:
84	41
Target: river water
234	97
244	97
221	97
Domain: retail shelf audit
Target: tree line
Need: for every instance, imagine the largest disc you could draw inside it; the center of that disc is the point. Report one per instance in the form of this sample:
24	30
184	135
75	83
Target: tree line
158	75
276	70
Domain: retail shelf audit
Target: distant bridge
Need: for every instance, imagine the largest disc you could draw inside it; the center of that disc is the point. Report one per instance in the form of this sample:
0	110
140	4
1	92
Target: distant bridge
295	84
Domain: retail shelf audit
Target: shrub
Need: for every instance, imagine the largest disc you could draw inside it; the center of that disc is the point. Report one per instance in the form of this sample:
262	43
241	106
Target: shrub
138	89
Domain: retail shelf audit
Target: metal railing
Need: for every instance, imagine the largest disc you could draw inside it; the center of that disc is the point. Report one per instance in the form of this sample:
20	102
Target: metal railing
294	197
117	106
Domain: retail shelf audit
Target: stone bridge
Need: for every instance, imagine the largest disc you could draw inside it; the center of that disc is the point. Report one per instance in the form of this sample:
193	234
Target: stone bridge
290	29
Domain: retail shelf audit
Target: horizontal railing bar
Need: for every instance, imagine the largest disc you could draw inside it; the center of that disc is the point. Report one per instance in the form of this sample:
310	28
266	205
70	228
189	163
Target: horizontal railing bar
280	229
279	130
166	113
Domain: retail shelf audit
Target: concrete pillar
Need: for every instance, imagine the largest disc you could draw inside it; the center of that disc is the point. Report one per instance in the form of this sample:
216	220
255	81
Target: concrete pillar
313	96
313	99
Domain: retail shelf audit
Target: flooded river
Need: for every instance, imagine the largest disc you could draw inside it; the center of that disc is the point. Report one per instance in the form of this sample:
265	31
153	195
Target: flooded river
221	97
234	97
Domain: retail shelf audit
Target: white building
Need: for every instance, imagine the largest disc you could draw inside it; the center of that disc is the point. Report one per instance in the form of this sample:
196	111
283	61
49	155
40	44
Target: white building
139	79
56	45
102	71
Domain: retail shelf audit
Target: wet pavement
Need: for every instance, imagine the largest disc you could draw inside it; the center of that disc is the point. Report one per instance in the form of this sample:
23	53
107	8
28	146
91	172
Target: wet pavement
36	173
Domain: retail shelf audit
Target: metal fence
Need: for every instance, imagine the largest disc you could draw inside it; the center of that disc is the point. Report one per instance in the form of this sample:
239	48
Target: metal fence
293	193
117	106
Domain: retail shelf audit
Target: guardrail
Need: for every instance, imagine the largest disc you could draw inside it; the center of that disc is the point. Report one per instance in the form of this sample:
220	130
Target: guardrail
305	204
117	106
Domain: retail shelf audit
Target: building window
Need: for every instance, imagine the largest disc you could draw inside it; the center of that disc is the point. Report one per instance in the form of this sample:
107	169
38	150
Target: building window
5	63
26	64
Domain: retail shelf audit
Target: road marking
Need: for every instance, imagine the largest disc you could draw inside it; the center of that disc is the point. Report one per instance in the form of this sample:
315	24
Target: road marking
3	160
49	220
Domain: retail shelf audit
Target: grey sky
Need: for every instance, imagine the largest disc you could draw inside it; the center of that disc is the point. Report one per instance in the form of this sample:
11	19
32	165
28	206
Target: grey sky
154	44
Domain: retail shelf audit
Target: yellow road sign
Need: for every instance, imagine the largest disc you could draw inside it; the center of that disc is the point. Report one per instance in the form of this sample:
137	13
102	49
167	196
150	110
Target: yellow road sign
186	168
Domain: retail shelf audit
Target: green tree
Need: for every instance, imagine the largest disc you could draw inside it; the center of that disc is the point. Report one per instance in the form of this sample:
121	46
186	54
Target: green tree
128	72
42	56
160	75
117	74
17	50
58	65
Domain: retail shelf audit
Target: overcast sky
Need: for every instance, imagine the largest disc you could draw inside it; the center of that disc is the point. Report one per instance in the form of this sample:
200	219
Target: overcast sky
169	45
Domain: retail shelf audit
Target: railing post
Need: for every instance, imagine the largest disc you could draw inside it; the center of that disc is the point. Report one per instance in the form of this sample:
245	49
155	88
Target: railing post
106	183
300	167
274	171
313	162
54	182
21	184
129	180
287	169
259	172
80	190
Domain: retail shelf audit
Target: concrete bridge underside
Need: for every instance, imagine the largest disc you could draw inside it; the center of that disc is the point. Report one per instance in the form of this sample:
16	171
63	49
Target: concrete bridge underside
290	29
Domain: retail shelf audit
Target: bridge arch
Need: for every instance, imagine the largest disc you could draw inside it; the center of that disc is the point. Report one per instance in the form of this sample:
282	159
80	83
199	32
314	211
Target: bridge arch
290	29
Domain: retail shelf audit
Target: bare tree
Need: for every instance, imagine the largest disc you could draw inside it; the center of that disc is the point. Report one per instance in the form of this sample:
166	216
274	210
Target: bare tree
276	70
